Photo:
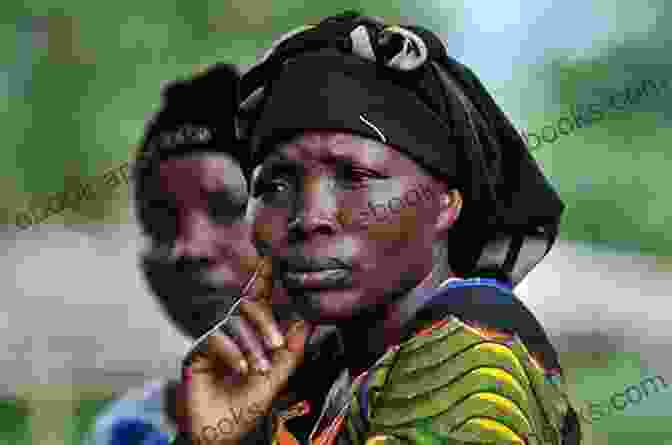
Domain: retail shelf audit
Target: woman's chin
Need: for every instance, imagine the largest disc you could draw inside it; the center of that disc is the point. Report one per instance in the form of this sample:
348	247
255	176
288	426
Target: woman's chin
225	276
325	306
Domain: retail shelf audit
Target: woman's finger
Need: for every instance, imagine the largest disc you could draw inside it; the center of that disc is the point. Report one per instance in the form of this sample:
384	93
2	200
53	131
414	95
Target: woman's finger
260	285
286	360
218	353
228	353
261	316
247	339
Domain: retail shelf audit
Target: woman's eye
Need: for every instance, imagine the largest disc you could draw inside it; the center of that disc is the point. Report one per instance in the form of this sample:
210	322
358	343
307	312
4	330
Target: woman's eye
268	189
226	214
225	209
354	176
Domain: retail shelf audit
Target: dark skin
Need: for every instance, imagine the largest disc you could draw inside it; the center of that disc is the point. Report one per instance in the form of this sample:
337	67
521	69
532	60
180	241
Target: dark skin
339	266
202	256
199	261
312	212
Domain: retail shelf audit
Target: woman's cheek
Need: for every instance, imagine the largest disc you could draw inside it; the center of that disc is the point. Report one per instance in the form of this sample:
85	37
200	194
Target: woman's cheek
243	247
269	228
385	223
352	218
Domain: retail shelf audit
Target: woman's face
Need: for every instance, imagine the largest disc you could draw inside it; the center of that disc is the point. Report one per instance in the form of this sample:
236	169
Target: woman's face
201	253
349	222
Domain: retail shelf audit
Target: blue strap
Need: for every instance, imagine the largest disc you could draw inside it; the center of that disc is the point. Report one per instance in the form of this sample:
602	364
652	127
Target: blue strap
480	282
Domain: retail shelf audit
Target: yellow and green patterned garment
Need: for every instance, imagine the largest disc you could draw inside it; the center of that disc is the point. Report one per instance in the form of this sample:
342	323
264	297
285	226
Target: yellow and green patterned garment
475	368
450	384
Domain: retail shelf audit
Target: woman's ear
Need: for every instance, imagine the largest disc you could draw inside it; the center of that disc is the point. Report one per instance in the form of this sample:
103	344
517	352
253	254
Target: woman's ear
449	211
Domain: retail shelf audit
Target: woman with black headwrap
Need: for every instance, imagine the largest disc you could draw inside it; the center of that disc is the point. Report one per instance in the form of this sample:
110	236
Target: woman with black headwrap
191	193
188	152
339	115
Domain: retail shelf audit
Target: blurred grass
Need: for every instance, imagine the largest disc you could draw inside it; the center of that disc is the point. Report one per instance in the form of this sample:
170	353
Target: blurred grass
87	411
15	424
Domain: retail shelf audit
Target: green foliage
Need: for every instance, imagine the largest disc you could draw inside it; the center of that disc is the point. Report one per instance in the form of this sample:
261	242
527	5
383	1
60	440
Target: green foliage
613	174
14	427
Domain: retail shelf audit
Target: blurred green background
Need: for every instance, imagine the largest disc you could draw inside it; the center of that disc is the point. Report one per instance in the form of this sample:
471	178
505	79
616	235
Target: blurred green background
79	80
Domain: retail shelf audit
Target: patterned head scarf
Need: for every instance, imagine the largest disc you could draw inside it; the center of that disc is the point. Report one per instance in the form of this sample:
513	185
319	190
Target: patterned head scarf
398	85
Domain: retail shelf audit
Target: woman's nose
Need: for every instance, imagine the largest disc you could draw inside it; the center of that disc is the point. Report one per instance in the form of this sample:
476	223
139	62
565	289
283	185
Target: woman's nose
196	237
316	210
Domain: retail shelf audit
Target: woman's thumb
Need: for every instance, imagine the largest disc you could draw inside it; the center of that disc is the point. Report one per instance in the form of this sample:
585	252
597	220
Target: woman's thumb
286	360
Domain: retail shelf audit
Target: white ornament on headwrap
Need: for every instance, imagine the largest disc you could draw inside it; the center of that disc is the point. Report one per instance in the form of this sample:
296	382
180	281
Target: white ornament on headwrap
361	43
413	52
445	46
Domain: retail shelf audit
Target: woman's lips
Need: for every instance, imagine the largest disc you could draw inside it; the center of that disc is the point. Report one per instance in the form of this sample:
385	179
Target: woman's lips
322	279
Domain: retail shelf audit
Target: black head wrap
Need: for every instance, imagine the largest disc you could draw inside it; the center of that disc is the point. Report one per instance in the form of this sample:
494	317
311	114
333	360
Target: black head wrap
196	116
398	85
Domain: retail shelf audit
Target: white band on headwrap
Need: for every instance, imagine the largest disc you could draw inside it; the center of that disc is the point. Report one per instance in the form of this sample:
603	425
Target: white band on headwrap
186	134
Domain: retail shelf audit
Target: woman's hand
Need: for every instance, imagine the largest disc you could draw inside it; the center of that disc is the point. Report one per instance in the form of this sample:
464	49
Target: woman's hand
236	373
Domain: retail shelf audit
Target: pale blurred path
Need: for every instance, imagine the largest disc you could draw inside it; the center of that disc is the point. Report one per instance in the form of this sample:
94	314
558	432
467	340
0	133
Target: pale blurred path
75	309
75	306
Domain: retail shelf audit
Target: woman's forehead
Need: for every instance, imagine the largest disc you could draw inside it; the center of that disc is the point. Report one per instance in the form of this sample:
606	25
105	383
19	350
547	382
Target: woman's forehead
208	171
341	147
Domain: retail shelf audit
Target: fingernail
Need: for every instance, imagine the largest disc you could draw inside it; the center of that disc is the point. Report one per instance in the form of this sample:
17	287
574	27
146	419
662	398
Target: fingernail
277	340
263	366
242	367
